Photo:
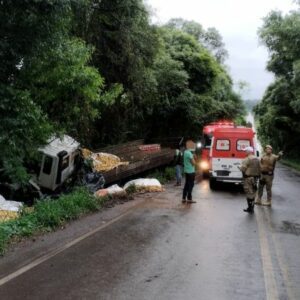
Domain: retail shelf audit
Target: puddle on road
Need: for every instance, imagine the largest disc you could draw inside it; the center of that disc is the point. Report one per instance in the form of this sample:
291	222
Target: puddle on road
164	203
170	199
290	227
289	173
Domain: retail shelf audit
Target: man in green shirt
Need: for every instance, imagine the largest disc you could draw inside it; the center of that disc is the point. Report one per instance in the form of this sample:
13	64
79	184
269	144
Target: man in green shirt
189	171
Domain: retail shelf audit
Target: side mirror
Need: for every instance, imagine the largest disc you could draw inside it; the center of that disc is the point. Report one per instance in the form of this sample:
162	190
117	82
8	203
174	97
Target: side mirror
257	153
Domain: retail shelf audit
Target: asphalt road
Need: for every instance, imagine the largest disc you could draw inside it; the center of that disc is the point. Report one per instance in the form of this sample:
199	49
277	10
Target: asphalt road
160	249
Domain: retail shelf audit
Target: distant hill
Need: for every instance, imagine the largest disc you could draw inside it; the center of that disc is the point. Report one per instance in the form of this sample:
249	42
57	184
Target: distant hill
250	104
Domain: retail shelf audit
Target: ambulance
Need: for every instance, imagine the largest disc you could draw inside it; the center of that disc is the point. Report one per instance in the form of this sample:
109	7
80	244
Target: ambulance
227	153
207	134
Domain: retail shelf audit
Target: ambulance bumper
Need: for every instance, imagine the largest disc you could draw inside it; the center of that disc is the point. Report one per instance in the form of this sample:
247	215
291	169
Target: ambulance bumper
237	180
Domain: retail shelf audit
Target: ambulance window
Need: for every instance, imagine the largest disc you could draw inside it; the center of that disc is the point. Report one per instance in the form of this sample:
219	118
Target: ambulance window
223	145
47	165
242	144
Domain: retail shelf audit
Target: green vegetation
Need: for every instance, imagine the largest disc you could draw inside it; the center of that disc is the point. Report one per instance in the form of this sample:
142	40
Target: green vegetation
163	175
279	111
102	73
293	163
131	189
48	215
250	104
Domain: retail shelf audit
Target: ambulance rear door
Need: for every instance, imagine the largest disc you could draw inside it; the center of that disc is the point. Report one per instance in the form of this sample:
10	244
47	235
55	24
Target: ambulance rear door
227	154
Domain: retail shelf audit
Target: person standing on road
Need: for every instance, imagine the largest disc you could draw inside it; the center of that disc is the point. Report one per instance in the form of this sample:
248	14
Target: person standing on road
267	165
178	159
251	171
189	171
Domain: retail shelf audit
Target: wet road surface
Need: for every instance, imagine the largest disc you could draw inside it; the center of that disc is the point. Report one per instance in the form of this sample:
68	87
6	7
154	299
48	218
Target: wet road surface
163	249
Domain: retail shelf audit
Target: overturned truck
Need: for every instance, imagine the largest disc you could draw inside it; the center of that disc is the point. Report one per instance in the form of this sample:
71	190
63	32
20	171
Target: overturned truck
61	159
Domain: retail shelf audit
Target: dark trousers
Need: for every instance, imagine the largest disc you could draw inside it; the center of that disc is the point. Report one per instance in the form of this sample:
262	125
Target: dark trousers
188	186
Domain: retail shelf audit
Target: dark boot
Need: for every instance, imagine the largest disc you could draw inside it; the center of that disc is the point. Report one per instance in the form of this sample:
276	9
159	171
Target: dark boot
250	208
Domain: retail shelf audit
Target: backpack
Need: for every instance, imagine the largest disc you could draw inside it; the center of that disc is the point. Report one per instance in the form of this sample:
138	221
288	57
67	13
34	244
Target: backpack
178	159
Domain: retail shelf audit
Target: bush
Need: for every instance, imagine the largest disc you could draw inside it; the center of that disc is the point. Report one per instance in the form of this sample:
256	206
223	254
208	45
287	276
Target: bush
131	189
163	176
292	162
49	214
169	173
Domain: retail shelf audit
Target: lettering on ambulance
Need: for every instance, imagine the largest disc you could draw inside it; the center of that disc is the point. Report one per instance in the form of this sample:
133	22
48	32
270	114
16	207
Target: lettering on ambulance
226	166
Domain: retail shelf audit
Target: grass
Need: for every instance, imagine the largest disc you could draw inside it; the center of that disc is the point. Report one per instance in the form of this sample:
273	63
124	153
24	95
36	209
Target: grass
164	175
48	215
293	163
131	189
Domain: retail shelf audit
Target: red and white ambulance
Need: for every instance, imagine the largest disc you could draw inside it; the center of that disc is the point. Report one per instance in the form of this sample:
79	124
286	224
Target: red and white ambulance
227	153
207	134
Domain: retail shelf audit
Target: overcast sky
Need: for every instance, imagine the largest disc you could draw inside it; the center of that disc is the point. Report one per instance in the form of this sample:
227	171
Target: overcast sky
238	22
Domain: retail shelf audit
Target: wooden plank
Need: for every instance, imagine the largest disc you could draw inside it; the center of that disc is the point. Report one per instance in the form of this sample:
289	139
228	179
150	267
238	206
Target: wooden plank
135	168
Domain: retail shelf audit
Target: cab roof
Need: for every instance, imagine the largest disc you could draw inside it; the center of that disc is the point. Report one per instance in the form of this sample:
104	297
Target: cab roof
56	145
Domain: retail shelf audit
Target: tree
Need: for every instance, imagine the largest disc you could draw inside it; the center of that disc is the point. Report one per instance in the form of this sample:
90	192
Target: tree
193	88
46	85
211	39
278	112
68	90
24	26
125	47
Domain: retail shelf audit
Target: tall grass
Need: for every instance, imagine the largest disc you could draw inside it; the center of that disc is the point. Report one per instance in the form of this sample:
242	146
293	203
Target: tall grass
292	162
49	214
163	176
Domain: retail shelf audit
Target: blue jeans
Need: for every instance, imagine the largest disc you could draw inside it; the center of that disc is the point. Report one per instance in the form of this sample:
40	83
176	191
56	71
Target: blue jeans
178	173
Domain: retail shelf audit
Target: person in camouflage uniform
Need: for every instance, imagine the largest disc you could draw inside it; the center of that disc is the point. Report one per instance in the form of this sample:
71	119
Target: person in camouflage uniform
251	171
267	165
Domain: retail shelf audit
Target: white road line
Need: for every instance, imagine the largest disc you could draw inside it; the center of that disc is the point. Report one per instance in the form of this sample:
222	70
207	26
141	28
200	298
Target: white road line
268	270
51	254
281	261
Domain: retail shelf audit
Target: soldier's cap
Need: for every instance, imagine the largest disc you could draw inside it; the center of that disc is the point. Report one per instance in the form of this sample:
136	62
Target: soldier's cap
268	146
249	149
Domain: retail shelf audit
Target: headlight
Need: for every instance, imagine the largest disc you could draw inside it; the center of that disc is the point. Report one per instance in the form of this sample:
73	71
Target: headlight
204	165
199	145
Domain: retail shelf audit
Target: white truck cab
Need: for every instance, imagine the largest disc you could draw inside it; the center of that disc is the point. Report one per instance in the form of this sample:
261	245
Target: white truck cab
59	159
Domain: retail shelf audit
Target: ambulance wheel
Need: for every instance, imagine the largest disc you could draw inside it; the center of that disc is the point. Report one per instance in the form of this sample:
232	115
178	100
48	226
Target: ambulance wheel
213	184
